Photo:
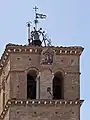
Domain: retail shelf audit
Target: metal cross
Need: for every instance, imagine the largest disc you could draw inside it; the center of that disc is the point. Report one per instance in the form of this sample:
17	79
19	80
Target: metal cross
35	8
35	21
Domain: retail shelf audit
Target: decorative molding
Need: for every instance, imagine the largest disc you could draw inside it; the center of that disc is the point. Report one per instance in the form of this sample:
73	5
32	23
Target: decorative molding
59	70
32	68
39	102
12	48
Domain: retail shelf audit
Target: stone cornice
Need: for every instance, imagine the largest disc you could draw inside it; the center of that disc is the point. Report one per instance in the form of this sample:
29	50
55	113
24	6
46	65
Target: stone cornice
20	49
39	102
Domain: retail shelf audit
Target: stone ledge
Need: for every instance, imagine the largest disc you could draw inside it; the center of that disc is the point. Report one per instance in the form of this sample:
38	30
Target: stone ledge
42	102
37	102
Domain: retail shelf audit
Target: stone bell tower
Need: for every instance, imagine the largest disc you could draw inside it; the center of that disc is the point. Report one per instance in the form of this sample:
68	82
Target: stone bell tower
40	82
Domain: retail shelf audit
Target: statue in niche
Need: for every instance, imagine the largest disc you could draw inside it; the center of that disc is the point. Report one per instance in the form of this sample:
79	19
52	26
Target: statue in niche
48	58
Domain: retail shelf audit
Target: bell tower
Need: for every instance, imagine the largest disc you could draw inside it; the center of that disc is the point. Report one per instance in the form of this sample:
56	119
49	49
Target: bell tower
39	81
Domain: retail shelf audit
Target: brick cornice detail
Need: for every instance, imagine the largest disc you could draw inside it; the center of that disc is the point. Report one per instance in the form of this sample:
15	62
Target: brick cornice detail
20	49
39	102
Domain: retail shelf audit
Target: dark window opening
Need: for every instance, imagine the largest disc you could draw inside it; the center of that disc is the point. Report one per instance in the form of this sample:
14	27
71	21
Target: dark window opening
58	86
31	86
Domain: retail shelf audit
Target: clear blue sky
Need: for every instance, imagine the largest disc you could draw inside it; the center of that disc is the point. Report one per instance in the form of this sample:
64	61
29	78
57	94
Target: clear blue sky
68	23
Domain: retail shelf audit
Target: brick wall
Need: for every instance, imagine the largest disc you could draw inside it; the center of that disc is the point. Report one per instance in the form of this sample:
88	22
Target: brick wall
16	71
63	112
67	64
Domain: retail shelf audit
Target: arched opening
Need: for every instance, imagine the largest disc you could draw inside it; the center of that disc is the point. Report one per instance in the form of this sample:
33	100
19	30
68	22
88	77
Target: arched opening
58	86
31	85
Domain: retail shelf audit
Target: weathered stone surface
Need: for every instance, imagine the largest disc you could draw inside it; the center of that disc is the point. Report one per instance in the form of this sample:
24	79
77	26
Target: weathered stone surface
14	75
44	113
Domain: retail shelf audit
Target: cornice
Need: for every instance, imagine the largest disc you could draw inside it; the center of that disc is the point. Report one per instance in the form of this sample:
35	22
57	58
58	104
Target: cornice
39	102
26	49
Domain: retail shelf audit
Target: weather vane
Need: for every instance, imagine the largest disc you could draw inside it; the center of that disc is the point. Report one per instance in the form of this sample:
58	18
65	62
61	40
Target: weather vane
37	37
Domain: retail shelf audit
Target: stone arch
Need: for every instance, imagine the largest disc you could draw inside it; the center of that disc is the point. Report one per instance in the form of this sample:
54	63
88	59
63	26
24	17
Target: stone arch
31	84
58	85
55	70
32	68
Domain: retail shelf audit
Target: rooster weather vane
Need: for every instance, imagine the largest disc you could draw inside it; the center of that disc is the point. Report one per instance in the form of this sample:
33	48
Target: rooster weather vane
37	37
